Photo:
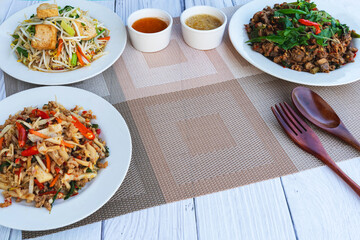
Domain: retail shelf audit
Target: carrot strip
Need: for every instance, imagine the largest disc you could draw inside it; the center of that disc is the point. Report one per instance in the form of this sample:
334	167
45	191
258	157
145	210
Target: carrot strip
58	120
32	131
69	145
54	180
79	57
82	53
48	163
105	38
61	43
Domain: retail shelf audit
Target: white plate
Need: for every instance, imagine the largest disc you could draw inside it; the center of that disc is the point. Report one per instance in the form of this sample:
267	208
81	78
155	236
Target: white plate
346	74
96	193
115	47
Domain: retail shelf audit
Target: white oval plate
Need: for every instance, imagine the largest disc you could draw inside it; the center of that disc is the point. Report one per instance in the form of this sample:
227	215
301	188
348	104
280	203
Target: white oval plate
115	47
96	193
344	75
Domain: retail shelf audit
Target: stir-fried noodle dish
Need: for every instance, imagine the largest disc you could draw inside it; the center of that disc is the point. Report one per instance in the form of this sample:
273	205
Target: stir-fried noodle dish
49	153
59	39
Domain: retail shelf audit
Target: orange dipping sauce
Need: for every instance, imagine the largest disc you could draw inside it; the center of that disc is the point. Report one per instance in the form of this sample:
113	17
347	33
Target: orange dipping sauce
149	25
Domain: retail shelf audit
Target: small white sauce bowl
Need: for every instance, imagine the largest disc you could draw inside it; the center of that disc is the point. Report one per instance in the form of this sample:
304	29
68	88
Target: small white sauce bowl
203	39
150	42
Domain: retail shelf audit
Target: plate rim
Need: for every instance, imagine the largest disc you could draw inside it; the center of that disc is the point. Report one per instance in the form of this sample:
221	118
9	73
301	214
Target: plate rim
19	15
76	201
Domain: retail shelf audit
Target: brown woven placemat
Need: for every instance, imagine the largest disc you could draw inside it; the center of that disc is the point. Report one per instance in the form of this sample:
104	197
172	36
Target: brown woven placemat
200	122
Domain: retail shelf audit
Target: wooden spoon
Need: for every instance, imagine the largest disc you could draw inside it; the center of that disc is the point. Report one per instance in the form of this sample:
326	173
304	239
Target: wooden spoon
319	112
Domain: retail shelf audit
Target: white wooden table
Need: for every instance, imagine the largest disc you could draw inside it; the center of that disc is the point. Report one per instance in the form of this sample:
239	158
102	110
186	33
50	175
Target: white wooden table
314	204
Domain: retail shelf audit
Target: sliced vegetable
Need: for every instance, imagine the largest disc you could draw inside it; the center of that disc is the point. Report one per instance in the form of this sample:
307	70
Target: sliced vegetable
30	151
55	196
104	38
83	130
47	193
60	47
67	8
18	171
39	184
354	34
39	113
3	165
71	191
54	180
32	131
48	162
291	11
82	53
22	52
73	59
21	134
99	32
1	142
79	57
66	144
67	28
310	23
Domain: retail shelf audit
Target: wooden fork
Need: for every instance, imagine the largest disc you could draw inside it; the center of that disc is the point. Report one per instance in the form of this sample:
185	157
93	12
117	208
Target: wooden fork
306	139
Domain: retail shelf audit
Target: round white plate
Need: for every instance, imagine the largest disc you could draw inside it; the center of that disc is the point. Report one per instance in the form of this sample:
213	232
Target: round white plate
346	74
115	47
96	193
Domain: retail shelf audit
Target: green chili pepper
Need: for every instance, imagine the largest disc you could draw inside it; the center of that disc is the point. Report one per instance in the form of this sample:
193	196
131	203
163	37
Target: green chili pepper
354	34
72	189
74	59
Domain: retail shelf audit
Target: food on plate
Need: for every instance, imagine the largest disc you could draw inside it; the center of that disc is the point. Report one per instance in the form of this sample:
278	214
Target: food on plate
203	22
149	25
300	37
49	153
59	39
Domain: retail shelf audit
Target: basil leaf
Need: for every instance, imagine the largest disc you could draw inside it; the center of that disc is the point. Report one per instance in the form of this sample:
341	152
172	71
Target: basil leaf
291	11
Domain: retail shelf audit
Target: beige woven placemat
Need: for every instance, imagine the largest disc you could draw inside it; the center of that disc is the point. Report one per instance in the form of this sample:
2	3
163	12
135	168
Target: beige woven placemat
200	122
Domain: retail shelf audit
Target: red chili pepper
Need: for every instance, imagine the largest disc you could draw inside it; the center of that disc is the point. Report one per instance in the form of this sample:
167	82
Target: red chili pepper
47	193
17	172
30	151
83	130
17	161
74	194
39	113
21	134
39	184
310	23
1	142
57	170
98	131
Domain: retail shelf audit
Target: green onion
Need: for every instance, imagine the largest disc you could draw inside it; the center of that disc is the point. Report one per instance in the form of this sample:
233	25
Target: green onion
3	165
88	170
55	196
67	28
95	125
22	52
74	59
15	36
101	32
72	189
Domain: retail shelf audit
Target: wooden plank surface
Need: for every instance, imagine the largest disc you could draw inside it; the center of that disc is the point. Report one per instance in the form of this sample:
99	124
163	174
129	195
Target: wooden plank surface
256	211
322	205
170	221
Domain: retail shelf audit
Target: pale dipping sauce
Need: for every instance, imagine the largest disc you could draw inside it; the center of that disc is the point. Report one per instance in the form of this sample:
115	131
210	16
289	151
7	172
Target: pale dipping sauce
203	22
